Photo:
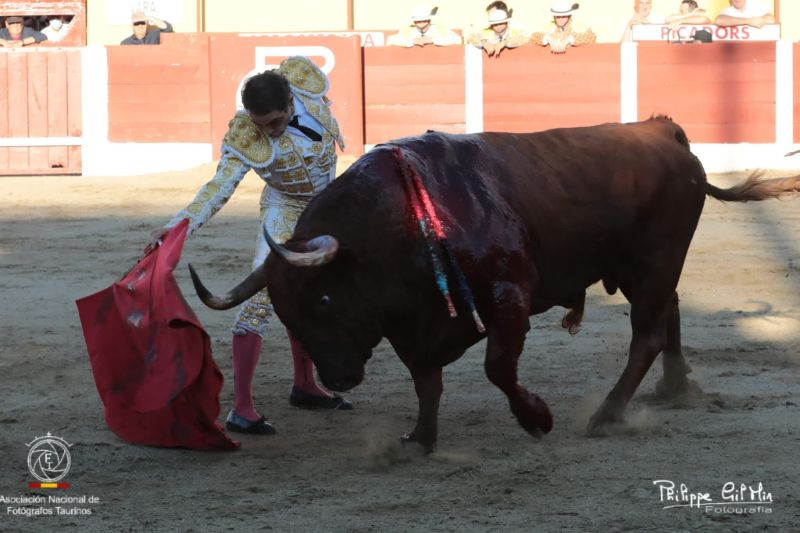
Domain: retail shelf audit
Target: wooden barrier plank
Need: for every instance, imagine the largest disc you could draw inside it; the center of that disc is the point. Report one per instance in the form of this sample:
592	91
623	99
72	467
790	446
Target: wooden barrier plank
38	156
393	55
161	131
5	76
17	109
160	94
544	92
408	91
413	93
418	114
138	65
188	110
723	93
405	75
74	109
530	89
57	108
395	131
155	92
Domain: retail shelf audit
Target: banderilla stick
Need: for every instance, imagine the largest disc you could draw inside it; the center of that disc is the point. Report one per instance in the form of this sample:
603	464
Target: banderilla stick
430	212
438	270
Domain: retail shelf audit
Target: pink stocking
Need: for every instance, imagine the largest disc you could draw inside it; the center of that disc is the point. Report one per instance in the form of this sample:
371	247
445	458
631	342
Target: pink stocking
246	350
304	369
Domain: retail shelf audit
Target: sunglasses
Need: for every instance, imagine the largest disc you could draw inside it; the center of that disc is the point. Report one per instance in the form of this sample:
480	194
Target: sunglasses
140	23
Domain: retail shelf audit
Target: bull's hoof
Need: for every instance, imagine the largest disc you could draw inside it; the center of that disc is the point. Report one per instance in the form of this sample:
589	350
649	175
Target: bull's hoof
532	414
426	446
603	424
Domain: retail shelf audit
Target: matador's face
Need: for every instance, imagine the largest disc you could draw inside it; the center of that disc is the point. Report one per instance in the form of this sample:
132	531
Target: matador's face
274	123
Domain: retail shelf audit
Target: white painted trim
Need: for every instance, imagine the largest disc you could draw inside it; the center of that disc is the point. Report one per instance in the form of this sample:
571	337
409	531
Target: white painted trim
128	159
628	82
473	89
94	106
784	92
40	141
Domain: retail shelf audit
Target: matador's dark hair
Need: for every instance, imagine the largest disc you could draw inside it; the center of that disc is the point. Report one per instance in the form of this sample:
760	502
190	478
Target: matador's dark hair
266	92
497	5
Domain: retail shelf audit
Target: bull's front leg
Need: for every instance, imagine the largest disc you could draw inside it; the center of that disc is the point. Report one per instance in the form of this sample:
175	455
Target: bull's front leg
505	341
428	384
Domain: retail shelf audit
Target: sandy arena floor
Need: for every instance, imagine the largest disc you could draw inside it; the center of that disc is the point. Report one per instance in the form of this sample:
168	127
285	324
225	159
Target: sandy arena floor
66	237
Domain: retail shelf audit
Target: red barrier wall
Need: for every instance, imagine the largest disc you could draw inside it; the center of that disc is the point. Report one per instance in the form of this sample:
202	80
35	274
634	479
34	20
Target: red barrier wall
40	96
410	90
530	89
720	93
233	56
159	93
796	56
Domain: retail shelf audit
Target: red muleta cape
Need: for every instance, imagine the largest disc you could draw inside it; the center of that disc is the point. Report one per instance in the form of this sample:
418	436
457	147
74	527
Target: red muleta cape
151	357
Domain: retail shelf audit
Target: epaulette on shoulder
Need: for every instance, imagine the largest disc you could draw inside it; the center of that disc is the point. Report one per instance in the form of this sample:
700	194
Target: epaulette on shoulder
305	76
247	140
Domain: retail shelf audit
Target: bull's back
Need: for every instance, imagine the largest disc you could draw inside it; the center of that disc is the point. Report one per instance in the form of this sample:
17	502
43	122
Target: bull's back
576	198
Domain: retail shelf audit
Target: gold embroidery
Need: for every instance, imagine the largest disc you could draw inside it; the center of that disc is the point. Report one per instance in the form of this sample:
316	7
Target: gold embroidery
246	138
284	142
305	75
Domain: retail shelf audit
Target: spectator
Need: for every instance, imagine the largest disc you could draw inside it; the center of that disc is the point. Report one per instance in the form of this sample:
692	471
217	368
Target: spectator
422	31
15	35
147	30
745	12
642	14
690	13
499	34
57	28
562	32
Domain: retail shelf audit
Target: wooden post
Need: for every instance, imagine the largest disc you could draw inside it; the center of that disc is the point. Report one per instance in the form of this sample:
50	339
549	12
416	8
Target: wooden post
350	24
201	15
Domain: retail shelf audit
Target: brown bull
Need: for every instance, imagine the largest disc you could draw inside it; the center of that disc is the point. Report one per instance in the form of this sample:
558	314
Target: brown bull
534	220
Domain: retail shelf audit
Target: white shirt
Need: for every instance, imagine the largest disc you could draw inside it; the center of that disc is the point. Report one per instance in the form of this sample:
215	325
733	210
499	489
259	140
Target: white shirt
54	35
752	9
652	18
304	118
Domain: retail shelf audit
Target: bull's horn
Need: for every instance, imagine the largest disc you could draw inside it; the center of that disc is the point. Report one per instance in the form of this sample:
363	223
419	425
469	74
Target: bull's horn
321	250
253	283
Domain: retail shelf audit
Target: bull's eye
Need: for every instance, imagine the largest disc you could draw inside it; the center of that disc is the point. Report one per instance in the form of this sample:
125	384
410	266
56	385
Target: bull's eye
325	301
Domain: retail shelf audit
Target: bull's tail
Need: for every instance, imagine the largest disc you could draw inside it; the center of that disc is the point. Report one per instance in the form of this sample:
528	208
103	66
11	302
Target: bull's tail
755	189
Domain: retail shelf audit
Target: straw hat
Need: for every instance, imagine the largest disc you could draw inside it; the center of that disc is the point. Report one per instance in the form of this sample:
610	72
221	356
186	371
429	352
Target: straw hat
499	16
563	8
423	12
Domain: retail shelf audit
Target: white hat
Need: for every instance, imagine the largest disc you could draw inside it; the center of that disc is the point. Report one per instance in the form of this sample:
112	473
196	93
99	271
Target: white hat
423	12
499	16
563	8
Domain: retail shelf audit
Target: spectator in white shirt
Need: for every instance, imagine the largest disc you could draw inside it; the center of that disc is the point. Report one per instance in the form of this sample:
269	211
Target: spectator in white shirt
745	13
56	29
642	14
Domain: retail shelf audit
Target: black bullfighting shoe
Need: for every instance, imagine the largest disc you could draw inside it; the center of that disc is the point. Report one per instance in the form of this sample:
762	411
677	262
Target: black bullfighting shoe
305	400
239	424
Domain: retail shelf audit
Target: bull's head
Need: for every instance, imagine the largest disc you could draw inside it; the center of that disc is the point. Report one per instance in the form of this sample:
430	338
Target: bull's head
316	294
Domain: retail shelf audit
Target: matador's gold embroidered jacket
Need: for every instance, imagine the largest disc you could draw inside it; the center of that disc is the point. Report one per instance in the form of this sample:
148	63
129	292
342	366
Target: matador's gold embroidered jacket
292	165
